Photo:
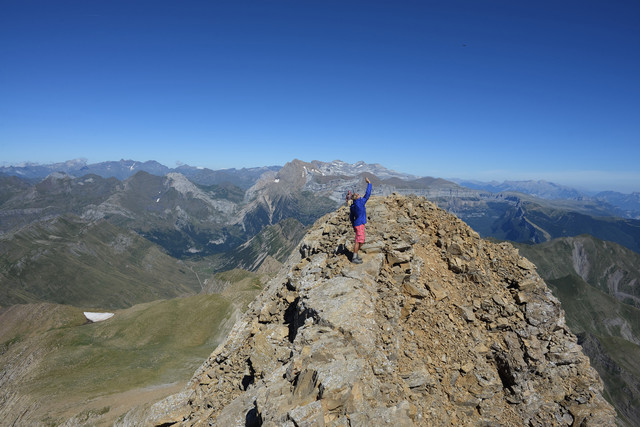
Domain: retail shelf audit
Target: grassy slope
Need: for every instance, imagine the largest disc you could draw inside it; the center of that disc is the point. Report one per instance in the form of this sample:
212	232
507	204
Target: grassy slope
622	384
605	260
91	368
67	261
145	344
588	309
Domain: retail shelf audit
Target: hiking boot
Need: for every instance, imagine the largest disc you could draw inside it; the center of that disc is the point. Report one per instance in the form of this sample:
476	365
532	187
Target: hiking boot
356	259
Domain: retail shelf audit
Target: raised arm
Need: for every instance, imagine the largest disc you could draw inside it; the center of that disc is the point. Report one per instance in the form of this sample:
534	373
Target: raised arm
368	193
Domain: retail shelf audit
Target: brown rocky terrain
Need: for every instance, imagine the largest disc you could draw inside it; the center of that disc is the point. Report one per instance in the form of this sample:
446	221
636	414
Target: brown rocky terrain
436	327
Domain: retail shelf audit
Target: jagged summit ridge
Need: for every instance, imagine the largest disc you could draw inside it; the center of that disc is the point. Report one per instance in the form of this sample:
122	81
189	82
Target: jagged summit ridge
436	327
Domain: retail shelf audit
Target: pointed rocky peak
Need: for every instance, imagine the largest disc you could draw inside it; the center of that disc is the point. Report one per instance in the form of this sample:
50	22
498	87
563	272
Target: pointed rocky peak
183	186
56	183
58	176
143	178
436	327
295	174
285	194
290	178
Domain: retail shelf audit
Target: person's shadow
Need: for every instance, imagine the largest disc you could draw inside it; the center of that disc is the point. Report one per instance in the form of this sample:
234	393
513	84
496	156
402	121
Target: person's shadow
342	250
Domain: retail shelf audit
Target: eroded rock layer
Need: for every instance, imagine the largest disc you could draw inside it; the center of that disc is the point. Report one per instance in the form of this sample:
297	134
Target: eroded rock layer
436	327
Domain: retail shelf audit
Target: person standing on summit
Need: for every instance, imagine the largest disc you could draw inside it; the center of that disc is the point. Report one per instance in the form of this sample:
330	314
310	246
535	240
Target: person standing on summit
358	217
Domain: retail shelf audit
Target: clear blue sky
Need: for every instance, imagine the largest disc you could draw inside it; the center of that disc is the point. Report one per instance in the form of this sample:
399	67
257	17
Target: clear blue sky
473	89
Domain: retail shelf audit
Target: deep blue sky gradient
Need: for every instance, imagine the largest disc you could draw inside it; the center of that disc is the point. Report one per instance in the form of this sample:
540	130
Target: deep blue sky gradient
472	89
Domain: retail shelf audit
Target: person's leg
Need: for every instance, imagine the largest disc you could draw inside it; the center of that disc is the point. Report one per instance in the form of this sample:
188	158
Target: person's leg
356	248
356	258
359	240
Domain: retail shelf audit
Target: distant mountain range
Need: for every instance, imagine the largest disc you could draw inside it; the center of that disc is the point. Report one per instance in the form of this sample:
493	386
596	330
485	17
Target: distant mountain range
620	204
203	212
243	178
78	167
541	189
623	205
124	169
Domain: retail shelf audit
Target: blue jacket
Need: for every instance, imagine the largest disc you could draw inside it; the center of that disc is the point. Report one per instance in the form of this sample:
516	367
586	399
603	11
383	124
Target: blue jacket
358	213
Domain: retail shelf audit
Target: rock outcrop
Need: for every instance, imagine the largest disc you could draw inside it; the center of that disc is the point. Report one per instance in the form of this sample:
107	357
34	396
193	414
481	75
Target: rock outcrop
436	327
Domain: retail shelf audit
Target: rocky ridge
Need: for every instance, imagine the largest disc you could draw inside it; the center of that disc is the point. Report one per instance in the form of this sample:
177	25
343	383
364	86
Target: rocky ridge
437	327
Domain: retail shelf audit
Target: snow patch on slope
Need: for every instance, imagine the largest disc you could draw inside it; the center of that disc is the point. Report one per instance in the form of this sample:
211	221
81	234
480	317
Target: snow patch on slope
97	317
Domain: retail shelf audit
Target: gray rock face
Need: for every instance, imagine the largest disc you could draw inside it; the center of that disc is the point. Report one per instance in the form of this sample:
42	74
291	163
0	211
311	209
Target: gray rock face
436	327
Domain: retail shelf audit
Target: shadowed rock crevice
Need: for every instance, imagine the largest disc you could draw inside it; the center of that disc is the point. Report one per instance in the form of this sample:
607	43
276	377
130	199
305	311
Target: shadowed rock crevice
250	377
505	371
435	327
294	318
253	418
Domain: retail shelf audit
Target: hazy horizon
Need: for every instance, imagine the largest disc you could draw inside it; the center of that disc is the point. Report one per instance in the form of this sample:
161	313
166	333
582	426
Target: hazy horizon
491	178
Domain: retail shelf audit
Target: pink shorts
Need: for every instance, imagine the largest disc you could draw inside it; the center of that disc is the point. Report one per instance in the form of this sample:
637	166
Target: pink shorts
359	229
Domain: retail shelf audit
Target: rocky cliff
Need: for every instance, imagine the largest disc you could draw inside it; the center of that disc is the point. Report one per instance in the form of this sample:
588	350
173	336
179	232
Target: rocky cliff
436	327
